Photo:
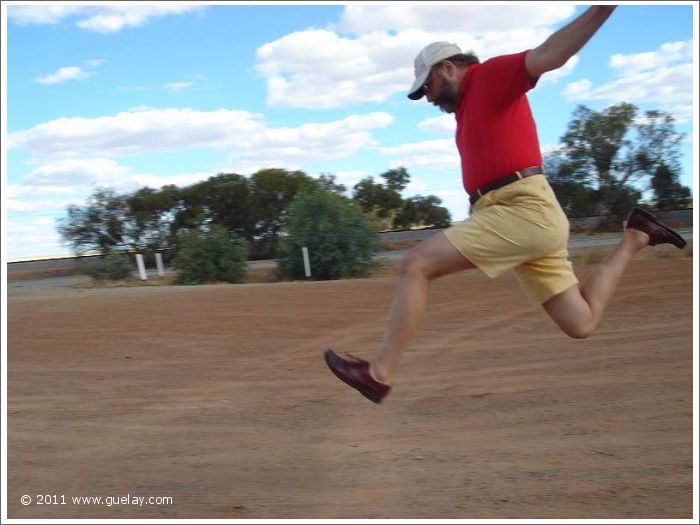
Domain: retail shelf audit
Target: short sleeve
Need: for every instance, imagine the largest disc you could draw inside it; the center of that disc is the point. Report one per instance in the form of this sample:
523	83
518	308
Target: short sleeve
505	78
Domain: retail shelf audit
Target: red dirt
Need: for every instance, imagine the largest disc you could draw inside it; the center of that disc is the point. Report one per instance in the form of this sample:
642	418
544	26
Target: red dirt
218	397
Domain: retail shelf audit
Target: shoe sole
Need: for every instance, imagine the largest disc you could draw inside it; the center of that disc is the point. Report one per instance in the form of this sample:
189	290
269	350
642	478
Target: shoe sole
372	397
651	218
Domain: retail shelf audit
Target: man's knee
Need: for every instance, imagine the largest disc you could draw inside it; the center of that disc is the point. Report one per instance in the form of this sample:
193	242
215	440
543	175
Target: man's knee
413	263
579	330
571	313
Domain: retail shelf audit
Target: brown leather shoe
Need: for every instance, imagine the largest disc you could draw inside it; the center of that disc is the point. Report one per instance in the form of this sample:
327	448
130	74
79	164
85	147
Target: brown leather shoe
658	232
355	372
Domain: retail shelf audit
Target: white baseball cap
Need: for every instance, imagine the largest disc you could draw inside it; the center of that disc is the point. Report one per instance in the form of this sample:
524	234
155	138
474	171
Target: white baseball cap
431	55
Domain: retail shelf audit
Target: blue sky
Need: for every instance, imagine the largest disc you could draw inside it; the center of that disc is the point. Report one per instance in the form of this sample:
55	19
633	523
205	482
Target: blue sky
126	96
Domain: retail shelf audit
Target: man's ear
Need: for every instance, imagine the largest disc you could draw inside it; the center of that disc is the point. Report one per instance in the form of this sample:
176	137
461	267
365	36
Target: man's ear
449	69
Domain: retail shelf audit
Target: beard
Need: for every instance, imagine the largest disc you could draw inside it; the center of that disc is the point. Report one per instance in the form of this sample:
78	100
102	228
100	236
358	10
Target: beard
447	98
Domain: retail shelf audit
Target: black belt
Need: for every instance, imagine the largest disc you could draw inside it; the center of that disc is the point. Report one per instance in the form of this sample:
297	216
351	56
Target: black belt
527	172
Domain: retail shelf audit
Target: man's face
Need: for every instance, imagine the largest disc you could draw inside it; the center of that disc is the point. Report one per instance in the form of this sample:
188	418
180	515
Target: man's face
440	91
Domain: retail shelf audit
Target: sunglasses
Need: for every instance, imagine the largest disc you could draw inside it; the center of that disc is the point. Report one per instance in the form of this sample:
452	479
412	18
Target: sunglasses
427	86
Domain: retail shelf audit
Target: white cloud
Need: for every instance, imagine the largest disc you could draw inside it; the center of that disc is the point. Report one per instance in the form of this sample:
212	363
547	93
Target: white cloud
662	78
178	86
552	77
578	89
32	211
50	188
94	62
549	149
326	68
336	139
199	81
63	74
319	69
350	178
151	131
155	181
32	237
667	88
441	124
455	200
70	72
294	147
35	222
668	53
67	173
78	177
432	158
137	132
42	14
73	156
360	19
427	155
96	18
415	187
33	205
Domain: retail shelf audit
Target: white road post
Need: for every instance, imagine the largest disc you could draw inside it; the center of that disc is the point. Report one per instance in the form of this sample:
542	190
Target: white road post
141	267
159	264
307	267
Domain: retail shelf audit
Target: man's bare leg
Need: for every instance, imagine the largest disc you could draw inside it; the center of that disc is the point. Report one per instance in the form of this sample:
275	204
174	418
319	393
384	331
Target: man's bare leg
424	263
579	309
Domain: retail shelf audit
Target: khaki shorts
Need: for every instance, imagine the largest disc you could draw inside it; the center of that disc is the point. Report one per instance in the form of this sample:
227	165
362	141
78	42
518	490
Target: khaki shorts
521	227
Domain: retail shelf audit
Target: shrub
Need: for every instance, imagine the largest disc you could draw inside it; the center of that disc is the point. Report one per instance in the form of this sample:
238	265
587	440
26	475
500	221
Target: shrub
340	241
113	266
211	255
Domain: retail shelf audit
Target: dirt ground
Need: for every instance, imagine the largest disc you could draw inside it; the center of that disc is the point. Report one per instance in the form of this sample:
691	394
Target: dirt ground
218	397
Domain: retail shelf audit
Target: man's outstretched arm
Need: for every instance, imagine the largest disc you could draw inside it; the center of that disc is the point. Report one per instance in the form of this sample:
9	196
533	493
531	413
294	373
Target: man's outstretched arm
567	41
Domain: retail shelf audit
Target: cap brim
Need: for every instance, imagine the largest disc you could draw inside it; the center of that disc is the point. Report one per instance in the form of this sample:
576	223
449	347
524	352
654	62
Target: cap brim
416	95
416	91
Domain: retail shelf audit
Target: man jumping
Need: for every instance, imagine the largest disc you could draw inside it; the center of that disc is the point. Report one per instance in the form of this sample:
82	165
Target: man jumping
515	222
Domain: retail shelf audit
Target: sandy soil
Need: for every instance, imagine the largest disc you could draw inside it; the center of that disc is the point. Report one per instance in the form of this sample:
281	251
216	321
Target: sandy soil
218	397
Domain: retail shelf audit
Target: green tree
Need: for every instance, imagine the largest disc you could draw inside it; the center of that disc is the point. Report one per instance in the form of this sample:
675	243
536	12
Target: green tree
669	194
595	143
423	211
99	225
378	201
658	154
574	192
396	179
340	241
226	200
189	211
387	209
210	254
272	191
383	200
114	267
149	218
328	182
658	143
611	156
223	199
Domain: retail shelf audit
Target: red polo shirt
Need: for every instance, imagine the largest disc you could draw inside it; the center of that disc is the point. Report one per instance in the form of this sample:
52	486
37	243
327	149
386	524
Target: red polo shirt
496	134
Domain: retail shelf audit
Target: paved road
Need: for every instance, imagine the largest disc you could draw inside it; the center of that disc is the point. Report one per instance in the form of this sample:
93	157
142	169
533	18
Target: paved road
589	241
576	242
